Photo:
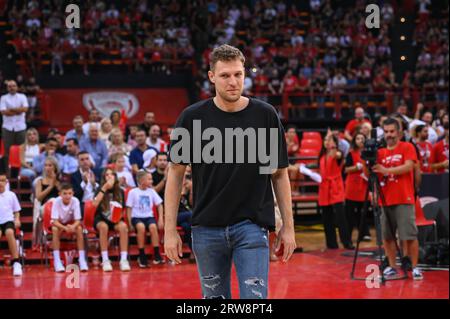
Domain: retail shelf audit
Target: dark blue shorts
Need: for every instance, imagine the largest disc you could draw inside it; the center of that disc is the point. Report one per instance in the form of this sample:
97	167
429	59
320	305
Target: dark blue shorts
8	225
146	221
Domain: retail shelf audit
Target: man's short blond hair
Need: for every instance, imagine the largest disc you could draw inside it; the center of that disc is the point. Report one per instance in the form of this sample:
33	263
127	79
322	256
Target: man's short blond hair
225	53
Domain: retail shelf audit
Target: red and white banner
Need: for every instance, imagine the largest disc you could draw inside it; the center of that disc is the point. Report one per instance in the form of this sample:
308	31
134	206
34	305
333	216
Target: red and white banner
64	104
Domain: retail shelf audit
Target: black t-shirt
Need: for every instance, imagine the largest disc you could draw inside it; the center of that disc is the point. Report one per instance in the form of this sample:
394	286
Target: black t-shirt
227	193
157	178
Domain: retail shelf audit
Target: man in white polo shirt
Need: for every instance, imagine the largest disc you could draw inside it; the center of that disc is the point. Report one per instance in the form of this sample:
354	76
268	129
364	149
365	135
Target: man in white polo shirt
13	107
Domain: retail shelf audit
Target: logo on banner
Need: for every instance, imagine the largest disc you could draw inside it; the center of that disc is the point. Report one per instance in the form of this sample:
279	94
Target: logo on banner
106	102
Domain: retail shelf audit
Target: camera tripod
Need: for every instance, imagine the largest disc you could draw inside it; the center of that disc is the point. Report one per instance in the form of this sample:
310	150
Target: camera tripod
375	187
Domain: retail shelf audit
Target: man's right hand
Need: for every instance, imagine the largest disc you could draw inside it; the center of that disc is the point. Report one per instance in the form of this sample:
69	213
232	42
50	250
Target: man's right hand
173	246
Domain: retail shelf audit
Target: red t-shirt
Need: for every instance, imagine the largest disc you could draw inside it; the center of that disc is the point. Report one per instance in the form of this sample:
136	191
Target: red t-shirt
290	83
261	83
355	184
440	154
353	124
425	151
291	147
331	190
397	189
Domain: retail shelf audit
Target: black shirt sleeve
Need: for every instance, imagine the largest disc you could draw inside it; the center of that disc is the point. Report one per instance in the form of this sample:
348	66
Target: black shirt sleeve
283	160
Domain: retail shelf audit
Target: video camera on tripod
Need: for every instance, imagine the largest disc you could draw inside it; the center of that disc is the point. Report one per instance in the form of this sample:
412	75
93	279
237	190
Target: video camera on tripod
370	150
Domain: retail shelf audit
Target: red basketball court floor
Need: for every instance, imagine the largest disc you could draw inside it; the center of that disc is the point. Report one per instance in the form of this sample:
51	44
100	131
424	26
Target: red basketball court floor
311	275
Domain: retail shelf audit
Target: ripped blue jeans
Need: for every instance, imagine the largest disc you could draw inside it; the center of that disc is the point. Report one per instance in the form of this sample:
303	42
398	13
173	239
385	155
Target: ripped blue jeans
216	248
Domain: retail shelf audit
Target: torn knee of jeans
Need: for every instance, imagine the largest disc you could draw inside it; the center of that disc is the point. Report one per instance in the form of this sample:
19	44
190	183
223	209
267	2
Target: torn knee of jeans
257	293
211	281
255	282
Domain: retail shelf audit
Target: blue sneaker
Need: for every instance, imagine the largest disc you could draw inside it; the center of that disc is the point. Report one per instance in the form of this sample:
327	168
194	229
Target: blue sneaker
390	272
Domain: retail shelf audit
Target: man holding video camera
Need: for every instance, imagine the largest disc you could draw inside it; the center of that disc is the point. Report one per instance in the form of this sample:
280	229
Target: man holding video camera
395	166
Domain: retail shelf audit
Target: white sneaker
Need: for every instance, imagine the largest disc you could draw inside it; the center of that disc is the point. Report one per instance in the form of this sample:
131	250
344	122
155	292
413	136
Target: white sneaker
59	267
83	265
124	265
106	265
17	269
417	274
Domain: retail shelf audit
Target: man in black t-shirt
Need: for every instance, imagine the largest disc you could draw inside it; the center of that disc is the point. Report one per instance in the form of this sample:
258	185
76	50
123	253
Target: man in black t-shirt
160	174
226	140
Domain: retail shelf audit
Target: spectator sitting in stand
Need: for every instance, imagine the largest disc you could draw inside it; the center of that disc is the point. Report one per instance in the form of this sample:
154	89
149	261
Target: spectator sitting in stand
136	155
125	178
70	160
77	132
28	151
94	119
154	140
95	147
85	179
50	150
105	129
351	126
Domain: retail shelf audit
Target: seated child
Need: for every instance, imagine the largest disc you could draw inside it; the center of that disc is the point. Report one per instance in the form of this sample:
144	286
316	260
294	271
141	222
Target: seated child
140	204
66	219
9	221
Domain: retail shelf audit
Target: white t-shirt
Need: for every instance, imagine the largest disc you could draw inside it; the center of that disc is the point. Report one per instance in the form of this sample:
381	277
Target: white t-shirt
128	177
142	202
9	205
159	145
13	101
66	213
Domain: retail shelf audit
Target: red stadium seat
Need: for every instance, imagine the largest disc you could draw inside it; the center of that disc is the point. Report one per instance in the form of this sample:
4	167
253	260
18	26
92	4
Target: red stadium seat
312	136
309	153
310	144
14	157
89	214
88	222
421	221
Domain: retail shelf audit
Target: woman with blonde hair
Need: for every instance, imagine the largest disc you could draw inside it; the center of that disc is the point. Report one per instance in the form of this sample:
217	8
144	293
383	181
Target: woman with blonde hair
365	129
105	129
29	150
47	188
117	144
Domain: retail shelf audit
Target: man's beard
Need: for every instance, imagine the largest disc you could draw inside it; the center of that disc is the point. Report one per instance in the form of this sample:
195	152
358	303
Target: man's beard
228	99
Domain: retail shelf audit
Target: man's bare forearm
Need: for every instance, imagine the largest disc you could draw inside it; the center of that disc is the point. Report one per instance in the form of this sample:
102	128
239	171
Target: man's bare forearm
172	195
282	188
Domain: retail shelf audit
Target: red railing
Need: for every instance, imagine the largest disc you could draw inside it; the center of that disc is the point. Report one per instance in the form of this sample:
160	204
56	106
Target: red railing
341	99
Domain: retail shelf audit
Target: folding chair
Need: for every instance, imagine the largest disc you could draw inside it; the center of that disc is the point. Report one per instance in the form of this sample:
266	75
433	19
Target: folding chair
90	232
421	221
15	165
68	242
310	144
312	136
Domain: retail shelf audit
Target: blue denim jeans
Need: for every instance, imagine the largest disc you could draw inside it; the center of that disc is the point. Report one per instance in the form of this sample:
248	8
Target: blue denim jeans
216	248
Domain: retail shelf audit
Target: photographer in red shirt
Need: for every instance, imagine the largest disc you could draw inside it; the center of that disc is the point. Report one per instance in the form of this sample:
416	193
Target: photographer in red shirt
395	167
